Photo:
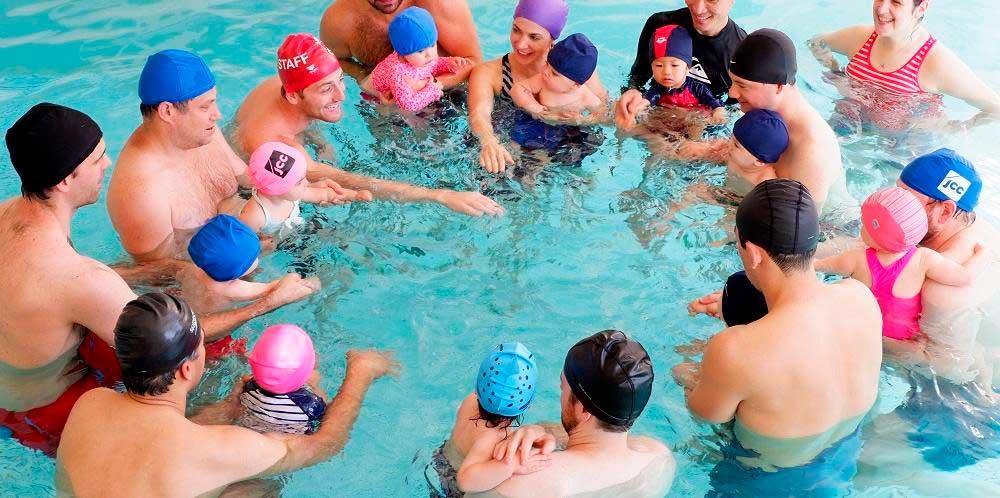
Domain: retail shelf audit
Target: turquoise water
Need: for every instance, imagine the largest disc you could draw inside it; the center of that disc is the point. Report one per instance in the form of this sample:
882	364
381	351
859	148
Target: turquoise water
581	251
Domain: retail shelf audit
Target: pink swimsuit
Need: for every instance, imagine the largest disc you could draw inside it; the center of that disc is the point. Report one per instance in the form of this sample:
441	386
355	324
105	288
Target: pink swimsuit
390	76
899	315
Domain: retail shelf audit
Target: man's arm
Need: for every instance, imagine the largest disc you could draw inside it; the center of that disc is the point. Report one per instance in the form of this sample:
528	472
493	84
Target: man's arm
142	218
456	30
642	70
158	273
94	298
716	393
289	289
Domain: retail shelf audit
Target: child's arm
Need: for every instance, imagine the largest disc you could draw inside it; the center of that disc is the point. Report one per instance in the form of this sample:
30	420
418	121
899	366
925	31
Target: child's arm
713	151
328	191
947	272
523	93
704	95
480	472
252	215
845	264
242	290
451	71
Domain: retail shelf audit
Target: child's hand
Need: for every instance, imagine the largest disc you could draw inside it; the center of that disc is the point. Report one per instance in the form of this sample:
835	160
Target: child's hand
710	305
719	116
692	150
455	64
386	98
335	194
535	462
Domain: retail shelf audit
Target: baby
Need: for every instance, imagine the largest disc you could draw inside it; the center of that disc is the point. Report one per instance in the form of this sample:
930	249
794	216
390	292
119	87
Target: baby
278	174
505	386
407	75
277	399
893	223
670	50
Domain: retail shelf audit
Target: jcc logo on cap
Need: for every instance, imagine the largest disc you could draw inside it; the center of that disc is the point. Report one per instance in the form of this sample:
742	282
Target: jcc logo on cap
954	186
279	164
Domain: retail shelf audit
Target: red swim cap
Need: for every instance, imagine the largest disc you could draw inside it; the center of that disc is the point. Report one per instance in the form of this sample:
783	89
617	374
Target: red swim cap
304	60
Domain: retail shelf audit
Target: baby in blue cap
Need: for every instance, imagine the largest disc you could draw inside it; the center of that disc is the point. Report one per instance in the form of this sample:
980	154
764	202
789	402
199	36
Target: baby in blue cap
224	250
408	76
561	86
505	386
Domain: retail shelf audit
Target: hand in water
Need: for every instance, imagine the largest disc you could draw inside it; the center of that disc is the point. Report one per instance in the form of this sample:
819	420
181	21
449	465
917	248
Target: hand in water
627	108
523	443
693	348
493	156
292	288
719	116
470	203
710	304
339	195
372	363
686	374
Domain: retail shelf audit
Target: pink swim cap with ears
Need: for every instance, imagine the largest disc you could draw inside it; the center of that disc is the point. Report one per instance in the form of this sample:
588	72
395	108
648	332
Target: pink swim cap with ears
282	359
276	167
894	219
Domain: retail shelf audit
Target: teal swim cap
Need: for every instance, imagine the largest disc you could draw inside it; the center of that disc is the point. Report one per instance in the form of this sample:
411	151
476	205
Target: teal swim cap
507	380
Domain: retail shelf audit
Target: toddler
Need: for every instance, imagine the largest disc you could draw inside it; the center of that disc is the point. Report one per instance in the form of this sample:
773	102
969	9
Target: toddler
893	223
277	399
408	74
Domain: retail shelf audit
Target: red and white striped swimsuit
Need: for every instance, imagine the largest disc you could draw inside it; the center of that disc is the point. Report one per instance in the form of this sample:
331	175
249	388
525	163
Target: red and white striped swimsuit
903	81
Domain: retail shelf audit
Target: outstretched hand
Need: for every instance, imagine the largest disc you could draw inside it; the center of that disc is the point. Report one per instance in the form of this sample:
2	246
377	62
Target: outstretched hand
493	156
470	203
709	304
334	193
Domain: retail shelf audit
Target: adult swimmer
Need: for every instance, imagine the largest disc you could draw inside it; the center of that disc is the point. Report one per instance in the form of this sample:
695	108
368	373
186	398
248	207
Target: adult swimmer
714	37
140	444
797	394
282	108
763	70
606	381
176	171
357	31
898	71
59	307
536	27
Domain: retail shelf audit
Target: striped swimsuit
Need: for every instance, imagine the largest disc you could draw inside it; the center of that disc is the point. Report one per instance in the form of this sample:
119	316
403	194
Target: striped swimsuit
297	412
903	81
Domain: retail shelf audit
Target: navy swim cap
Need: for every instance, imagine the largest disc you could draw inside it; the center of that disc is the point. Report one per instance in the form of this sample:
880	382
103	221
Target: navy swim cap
155	334
765	56
671	41
763	134
779	215
944	175
412	31
611	375
742	303
574	57
507	380
174	76
224	248
48	142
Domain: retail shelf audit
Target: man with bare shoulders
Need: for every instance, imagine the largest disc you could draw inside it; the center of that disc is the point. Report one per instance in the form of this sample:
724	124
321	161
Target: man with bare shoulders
357	31
800	380
140	443
57	307
606	381
310	87
763	71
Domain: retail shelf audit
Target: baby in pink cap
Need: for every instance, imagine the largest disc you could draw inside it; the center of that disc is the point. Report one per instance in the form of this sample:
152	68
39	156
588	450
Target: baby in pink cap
892	266
277	398
278	173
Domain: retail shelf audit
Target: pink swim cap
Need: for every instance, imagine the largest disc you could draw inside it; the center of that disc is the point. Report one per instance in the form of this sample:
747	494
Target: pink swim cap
894	219
282	359
276	167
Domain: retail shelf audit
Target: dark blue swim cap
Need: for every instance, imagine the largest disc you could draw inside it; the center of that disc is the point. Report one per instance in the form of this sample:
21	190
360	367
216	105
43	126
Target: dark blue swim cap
763	134
575	57
224	248
611	375
944	175
174	76
412	31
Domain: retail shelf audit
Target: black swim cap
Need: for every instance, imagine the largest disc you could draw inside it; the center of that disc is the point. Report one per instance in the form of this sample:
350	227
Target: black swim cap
48	142
611	375
765	56
742	303
155	334
779	215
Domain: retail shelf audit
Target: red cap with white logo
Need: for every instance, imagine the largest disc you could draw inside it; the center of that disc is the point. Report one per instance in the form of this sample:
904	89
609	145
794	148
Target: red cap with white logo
304	60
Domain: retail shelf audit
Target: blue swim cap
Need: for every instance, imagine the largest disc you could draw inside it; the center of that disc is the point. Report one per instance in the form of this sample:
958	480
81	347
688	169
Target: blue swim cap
174	76
763	134
225	248
574	57
507	380
944	175
412	31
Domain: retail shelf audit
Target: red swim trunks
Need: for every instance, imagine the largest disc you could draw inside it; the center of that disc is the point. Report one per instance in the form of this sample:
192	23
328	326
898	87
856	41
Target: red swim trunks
216	350
40	428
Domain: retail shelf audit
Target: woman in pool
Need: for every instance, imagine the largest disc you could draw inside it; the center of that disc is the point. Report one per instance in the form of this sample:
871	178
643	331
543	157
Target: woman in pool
898	70
537	25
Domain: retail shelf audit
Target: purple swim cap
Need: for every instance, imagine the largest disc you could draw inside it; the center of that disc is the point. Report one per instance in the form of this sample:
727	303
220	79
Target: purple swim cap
549	14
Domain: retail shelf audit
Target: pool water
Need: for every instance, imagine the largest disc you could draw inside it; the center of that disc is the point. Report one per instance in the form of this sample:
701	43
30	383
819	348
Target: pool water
582	249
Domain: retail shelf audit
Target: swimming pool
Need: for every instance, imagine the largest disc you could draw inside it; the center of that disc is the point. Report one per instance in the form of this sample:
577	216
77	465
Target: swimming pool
574	254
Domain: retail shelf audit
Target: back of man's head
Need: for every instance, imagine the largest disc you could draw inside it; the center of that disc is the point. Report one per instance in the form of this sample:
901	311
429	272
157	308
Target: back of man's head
780	217
611	376
155	334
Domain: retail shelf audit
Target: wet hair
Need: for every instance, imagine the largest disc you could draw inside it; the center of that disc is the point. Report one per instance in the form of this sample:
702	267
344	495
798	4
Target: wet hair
787	263
147	110
151	385
604	426
494	421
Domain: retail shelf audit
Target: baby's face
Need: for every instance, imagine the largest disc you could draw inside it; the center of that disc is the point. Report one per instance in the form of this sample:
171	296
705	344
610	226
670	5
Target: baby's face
297	192
740	157
670	71
556	82
423	57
